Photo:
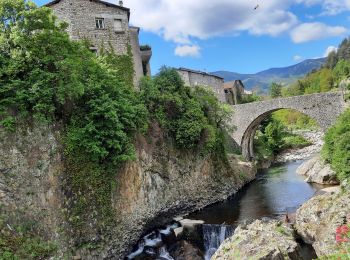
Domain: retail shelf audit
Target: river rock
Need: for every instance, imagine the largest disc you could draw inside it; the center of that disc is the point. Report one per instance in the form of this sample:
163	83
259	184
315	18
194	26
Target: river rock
314	137
263	240
186	251
317	220
317	171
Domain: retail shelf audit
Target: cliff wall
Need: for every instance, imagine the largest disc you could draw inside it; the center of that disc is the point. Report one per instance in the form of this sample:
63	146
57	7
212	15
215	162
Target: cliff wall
161	183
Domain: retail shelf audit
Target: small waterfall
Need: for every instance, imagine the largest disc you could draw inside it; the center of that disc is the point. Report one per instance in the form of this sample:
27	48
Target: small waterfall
214	236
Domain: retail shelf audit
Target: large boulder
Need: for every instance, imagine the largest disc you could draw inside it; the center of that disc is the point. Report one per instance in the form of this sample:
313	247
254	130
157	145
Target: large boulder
317	171
261	240
318	219
183	250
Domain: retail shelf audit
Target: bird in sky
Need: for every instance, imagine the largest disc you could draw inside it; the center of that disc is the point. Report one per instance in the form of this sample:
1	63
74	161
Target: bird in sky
256	7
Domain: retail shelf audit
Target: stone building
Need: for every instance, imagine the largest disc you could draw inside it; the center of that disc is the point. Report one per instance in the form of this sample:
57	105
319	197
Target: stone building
235	92
105	25
198	78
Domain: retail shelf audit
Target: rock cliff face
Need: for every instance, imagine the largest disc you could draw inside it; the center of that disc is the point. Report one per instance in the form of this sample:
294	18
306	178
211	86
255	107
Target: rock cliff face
317	171
30	180
160	183
260	240
318	219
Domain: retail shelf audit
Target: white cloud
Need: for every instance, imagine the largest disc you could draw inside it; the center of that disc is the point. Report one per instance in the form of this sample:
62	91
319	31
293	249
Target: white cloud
188	51
314	31
182	20
329	50
297	58
329	7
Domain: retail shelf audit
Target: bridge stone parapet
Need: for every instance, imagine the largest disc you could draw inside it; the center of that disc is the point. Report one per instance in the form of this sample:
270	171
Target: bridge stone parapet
322	107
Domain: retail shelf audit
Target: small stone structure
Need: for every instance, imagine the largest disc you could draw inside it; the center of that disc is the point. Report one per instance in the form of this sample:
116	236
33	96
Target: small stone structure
106	26
235	92
198	78
323	107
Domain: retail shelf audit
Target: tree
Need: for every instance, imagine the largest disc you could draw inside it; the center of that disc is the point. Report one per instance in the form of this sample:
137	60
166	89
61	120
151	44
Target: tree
342	70
45	75
336	149
332	60
275	90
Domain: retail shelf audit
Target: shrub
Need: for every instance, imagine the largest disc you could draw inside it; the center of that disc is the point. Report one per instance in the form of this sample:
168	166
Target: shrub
190	116
336	149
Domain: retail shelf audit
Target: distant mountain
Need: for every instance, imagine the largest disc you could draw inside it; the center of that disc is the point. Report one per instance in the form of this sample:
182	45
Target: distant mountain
264	78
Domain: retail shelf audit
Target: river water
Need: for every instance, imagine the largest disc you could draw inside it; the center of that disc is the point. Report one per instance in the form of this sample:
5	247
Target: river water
275	192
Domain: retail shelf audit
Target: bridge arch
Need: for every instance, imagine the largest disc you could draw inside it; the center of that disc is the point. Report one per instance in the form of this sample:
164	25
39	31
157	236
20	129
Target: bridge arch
324	108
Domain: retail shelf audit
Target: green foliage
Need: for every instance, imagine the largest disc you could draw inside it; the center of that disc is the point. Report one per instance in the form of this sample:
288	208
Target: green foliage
315	82
275	90
191	117
336	149
294	120
22	243
90	186
294	141
250	98
46	75
269	138
272	138
342	70
343	53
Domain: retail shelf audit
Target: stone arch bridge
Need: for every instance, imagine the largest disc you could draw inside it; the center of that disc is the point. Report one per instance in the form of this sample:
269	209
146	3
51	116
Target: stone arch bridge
323	107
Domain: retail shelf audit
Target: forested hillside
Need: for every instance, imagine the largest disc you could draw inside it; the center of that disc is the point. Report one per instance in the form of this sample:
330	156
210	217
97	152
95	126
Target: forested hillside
329	77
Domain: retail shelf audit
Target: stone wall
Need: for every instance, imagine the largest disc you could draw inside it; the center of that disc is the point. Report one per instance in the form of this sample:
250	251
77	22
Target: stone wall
80	16
136	54
162	183
197	78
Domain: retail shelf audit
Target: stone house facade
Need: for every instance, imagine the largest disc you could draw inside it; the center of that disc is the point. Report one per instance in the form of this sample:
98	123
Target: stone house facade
105	25
235	92
198	78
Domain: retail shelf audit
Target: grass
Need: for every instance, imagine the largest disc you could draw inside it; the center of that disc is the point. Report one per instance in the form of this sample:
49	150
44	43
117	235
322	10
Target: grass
292	141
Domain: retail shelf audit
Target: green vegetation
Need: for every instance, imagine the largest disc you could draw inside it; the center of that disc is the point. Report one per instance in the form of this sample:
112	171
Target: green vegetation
336	149
275	90
191	117
294	120
272	137
21	242
45	76
250	98
336	69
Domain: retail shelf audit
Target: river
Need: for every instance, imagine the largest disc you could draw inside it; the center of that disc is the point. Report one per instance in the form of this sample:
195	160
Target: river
275	192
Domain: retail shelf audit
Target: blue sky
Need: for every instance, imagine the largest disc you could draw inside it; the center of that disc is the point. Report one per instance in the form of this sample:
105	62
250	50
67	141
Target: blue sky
213	35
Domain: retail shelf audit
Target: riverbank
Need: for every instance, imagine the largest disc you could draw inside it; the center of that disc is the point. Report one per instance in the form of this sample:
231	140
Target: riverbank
273	193
316	140
161	182
316	223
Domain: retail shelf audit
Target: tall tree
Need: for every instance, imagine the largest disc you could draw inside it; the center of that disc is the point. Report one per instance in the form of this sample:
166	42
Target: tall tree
275	90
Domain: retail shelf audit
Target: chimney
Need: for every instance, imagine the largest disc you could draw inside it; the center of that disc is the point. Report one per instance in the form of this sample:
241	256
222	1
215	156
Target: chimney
121	3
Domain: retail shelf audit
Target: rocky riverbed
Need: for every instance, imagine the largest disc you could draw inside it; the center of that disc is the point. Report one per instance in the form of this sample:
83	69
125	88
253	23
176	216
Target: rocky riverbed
315	137
316	222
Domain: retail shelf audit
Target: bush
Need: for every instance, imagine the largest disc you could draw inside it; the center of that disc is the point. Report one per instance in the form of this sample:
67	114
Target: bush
336	149
190	116
294	141
45	75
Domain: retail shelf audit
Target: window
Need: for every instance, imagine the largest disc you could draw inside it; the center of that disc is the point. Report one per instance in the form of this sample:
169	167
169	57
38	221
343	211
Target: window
118	26
100	23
